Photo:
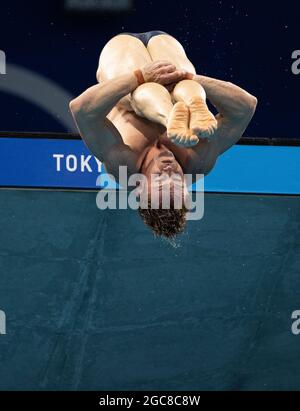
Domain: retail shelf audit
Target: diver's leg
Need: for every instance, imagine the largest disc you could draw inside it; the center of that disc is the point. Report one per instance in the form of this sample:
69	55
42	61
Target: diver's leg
202	122
123	54
152	101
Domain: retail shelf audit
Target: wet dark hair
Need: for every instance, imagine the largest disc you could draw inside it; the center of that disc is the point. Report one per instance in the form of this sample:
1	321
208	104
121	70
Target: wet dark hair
164	222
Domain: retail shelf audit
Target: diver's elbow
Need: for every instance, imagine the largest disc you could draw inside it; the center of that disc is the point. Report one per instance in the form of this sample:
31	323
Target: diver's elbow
249	106
75	106
80	108
252	103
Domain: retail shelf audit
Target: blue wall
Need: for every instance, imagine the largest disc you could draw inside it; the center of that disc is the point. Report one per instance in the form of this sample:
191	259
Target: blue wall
249	43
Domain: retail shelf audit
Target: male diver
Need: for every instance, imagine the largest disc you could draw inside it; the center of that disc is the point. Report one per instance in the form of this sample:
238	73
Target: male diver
148	112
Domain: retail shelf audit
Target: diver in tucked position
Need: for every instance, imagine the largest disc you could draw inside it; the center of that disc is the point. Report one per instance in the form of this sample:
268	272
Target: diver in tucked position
149	113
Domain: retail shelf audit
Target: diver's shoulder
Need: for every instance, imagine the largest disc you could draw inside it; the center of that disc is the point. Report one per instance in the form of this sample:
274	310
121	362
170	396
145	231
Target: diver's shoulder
202	158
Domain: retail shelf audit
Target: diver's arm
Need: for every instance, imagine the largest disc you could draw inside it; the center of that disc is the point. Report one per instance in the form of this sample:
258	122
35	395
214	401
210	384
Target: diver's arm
90	109
98	100
92	106
101	98
235	106
229	99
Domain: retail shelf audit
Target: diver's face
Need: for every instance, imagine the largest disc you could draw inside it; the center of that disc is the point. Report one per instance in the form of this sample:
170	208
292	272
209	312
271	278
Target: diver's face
165	173
164	163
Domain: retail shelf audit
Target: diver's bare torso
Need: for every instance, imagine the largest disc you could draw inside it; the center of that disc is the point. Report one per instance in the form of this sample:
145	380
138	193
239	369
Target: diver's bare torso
141	135
151	99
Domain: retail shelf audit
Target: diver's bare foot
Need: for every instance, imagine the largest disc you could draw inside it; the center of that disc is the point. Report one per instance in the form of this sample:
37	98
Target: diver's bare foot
202	121
178	126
